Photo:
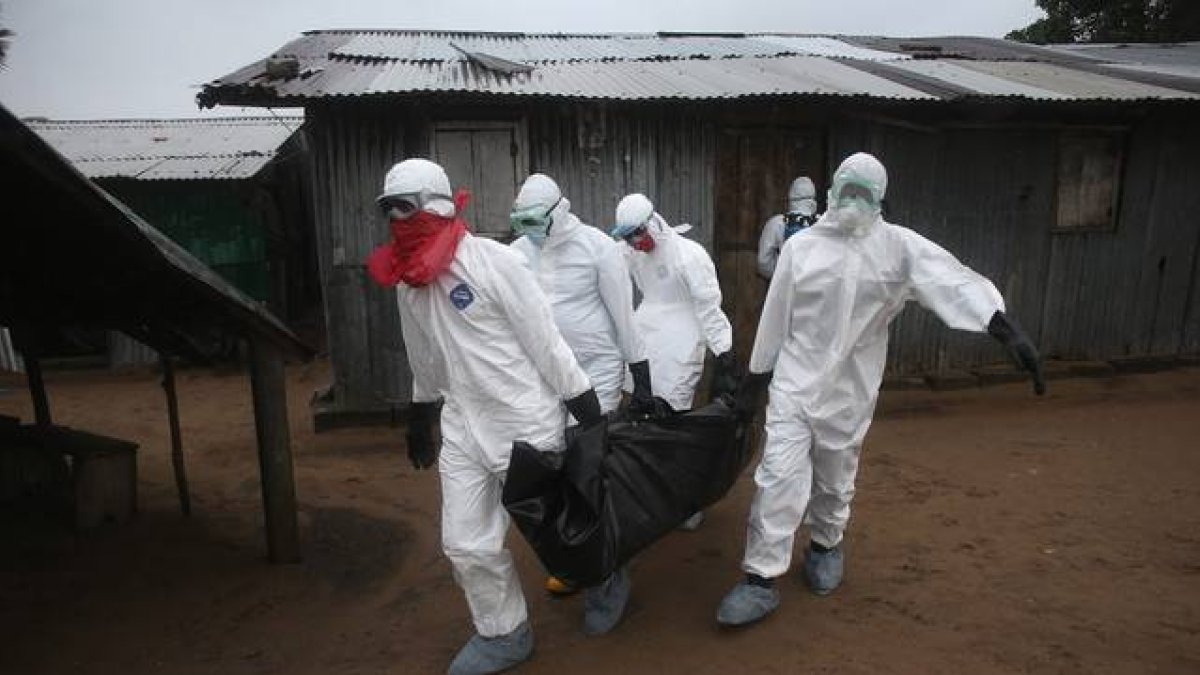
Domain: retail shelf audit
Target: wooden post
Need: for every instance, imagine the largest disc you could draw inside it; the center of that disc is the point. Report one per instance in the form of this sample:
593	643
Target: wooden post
181	483
274	451
26	343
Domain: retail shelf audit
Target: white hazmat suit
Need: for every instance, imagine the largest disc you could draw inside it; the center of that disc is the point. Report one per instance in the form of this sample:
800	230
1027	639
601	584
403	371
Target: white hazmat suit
824	331
680	312
481	336
801	205
584	274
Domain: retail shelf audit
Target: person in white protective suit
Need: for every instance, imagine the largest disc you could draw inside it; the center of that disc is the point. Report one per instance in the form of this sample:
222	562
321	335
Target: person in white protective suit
489	364
584	275
680	313
800	215
823	335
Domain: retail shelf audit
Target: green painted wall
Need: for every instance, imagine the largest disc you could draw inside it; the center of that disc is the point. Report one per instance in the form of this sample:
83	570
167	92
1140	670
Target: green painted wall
220	222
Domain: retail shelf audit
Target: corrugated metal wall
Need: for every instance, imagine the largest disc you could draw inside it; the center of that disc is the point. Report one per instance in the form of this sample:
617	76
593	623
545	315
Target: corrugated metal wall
350	155
597	155
987	194
600	153
984	195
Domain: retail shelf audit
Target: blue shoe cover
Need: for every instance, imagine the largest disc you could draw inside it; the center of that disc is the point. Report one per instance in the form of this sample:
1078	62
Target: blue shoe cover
746	604
823	571
481	656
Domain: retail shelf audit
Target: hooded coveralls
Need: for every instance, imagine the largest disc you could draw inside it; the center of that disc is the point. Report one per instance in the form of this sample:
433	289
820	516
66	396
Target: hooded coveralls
583	273
482	337
824	331
680	312
802	193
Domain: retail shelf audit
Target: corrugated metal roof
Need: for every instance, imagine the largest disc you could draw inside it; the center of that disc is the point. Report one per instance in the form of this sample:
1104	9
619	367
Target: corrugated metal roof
539	49
1182	58
1068	83
637	80
154	149
691	67
1035	81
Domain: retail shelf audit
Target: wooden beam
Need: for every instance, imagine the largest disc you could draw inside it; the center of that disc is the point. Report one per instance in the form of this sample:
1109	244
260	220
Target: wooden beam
181	482
26	342
274	451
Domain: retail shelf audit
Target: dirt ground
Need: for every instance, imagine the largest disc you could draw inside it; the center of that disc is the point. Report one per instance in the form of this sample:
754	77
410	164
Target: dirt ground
993	532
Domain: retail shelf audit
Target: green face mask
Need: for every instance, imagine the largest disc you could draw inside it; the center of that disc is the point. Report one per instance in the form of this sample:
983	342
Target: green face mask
533	222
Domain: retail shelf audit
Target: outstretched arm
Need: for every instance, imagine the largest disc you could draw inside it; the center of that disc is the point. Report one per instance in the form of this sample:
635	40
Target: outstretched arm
966	300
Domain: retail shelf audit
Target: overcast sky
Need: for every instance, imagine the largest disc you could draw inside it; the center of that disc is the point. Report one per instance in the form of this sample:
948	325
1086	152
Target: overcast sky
94	59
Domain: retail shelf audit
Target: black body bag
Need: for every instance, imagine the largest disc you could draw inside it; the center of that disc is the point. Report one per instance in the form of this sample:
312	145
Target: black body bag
620	486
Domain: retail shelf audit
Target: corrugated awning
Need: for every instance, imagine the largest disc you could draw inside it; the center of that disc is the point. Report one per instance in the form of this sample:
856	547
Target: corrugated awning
82	258
180	149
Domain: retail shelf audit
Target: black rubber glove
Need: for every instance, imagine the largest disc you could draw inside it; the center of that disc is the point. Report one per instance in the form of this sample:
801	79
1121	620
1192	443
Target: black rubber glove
421	437
585	408
1019	345
751	394
641	402
725	377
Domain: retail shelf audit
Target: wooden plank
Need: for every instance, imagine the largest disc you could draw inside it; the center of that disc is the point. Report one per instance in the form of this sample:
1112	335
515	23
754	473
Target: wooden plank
274	452
26	343
181	482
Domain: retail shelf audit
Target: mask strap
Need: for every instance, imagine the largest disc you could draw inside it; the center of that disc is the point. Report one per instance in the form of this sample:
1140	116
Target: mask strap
549	211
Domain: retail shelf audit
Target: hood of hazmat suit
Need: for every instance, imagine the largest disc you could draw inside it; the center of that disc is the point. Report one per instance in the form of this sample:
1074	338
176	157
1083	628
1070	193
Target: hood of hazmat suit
680	313
423	180
855	200
802	197
538	207
424	222
824	333
481	336
584	274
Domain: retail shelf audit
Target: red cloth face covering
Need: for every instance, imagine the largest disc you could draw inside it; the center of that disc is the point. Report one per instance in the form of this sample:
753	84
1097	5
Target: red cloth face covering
643	243
422	247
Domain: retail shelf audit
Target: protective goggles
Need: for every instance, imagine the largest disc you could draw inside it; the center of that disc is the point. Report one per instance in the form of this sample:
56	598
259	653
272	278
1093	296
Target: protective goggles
533	220
851	193
405	206
636	233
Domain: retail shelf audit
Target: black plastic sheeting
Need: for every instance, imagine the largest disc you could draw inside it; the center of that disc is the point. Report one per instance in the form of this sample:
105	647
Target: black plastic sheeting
621	486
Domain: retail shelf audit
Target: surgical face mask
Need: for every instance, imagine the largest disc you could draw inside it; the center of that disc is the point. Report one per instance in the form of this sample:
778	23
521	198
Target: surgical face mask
855	215
533	222
854	206
804	207
405	206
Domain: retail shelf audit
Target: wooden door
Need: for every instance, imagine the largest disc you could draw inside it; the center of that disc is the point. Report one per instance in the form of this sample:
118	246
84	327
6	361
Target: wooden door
487	158
755	167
